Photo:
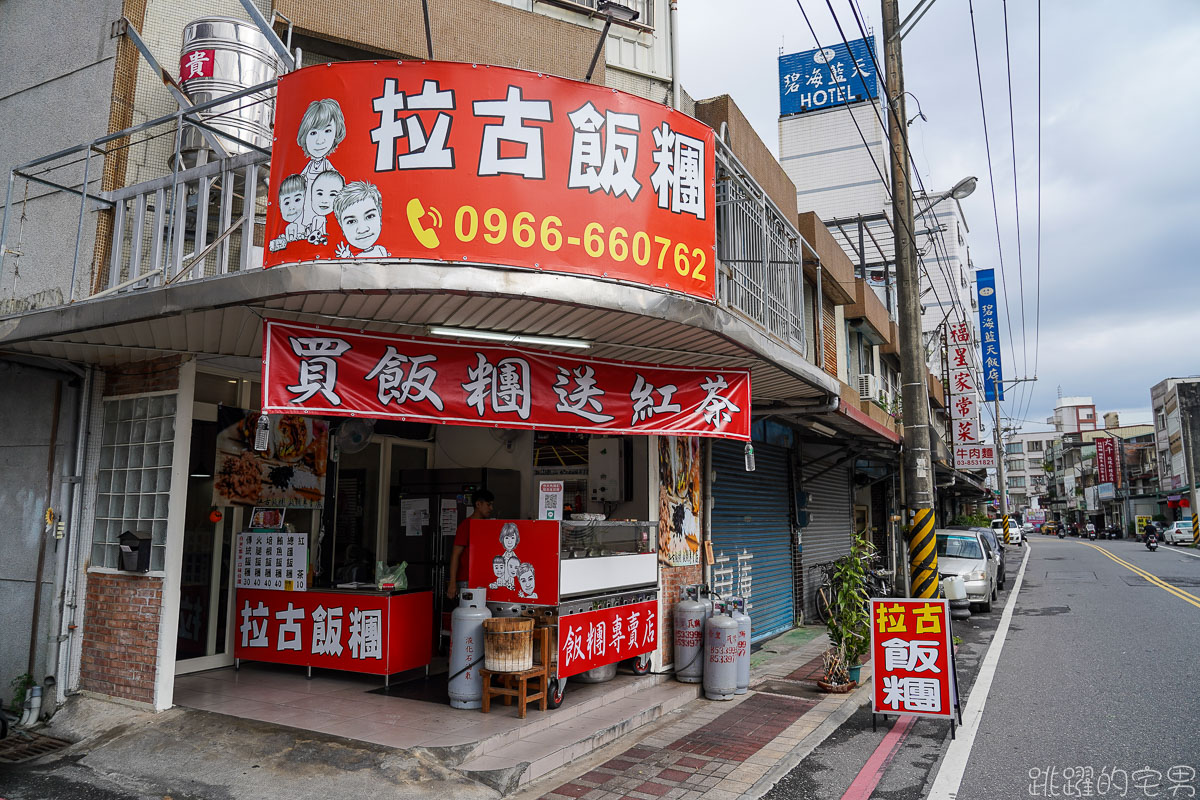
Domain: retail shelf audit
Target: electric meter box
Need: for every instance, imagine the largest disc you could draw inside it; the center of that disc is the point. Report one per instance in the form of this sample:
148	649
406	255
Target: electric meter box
607	469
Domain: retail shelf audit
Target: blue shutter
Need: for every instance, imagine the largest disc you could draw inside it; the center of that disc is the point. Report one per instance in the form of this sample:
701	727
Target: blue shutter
752	512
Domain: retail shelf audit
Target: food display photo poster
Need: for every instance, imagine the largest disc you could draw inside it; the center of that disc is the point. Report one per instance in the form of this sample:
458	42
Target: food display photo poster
289	474
679	500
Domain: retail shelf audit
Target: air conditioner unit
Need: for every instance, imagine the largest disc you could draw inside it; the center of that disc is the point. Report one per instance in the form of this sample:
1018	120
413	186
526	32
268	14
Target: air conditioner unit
868	387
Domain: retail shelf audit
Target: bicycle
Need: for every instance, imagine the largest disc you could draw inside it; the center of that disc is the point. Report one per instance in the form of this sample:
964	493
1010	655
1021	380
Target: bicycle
878	584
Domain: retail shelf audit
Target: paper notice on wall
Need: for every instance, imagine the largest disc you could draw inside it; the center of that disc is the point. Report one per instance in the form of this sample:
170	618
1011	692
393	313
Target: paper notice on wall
550	500
449	523
415	514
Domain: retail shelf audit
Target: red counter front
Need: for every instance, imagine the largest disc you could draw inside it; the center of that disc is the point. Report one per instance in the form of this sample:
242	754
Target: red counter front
379	633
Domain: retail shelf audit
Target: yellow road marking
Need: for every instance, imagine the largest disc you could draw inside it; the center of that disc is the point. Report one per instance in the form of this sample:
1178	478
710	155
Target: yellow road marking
1157	581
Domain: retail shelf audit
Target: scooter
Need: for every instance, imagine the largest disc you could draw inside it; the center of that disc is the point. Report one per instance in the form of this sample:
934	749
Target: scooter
1062	533
1092	534
1152	543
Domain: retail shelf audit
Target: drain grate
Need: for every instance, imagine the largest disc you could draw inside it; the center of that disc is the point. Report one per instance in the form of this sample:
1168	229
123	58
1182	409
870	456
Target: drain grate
23	746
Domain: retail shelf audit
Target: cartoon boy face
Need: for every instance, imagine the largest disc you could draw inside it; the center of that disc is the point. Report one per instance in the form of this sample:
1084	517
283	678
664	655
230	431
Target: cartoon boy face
498	566
320	141
361	223
509	537
291	205
325	190
526	578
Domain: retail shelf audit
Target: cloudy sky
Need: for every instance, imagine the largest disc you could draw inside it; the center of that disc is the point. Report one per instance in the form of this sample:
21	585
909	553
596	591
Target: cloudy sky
1120	186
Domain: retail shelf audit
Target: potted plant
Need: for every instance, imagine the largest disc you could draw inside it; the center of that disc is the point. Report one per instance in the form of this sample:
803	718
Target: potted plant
849	616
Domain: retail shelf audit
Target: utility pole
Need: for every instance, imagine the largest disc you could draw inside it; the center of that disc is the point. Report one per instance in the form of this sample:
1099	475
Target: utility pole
918	468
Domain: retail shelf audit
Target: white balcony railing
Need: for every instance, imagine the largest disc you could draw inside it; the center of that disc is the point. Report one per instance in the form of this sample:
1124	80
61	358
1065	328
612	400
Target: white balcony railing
208	220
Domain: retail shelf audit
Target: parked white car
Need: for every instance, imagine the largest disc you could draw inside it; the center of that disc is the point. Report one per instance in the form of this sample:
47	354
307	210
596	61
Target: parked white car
967	554
1014	531
1178	532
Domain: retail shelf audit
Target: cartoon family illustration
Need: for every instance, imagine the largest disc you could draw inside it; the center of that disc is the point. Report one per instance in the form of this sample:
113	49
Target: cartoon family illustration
307	198
510	571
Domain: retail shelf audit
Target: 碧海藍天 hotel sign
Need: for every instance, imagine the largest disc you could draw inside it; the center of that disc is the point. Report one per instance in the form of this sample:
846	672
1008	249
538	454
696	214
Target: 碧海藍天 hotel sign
827	76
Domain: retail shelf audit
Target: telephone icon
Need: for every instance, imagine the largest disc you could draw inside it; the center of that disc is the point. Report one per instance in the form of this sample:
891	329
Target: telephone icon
424	232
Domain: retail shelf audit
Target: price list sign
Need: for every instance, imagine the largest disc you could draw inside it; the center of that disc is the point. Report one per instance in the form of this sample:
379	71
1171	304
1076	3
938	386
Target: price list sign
274	560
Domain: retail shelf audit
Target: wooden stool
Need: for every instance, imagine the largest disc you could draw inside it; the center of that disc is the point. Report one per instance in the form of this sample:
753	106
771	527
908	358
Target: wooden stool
516	684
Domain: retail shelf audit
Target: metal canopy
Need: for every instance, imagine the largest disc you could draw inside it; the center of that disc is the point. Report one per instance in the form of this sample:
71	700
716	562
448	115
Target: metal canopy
213	319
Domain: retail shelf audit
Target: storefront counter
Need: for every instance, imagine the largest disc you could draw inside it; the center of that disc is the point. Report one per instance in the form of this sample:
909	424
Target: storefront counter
356	630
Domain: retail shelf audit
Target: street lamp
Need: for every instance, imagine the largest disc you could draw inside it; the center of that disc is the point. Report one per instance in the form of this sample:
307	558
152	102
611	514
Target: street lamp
959	191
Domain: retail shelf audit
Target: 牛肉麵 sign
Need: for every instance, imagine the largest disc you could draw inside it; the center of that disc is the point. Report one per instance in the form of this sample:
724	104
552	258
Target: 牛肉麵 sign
478	164
312	369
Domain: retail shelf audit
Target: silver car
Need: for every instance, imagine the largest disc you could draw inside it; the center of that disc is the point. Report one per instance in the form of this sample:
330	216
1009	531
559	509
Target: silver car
1178	533
967	554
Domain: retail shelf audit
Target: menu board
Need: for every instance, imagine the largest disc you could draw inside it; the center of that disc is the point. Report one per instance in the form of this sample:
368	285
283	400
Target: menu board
273	560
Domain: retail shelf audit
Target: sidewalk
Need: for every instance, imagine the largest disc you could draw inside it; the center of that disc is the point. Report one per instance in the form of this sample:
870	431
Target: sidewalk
640	737
720	750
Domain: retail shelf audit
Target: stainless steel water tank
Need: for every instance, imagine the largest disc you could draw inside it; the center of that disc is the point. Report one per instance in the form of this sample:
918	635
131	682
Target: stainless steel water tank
220	56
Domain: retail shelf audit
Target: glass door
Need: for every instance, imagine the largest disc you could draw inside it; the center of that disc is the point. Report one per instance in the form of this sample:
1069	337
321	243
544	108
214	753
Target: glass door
203	638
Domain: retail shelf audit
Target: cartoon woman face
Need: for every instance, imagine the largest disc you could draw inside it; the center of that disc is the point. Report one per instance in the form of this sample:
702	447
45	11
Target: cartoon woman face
514	564
319	141
509	536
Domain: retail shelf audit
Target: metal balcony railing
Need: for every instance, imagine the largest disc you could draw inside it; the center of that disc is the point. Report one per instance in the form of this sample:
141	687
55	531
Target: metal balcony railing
207	220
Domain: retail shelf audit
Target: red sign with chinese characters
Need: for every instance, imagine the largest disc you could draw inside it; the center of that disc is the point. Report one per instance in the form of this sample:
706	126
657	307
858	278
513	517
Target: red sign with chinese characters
1106	461
914	665
309	369
605	636
471	163
515	560
196	64
975	456
372	633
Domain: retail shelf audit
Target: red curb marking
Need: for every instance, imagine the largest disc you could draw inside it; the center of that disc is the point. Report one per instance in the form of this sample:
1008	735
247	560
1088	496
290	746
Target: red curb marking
872	772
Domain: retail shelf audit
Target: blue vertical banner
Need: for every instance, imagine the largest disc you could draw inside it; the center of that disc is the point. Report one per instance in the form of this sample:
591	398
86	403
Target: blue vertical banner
989	335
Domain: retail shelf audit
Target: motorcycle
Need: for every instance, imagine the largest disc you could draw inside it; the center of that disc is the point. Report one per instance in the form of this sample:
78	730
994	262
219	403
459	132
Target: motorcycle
1091	532
1152	543
1062	533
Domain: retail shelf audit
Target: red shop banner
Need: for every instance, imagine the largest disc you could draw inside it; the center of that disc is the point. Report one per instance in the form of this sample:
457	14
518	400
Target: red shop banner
516	561
914	664
309	369
605	636
481	164
373	633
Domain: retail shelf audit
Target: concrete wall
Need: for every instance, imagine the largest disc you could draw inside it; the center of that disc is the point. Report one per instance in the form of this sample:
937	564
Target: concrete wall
27	395
56	59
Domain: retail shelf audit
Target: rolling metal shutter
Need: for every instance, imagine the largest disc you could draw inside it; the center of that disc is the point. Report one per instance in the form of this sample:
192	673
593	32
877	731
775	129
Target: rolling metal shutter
827	535
752	512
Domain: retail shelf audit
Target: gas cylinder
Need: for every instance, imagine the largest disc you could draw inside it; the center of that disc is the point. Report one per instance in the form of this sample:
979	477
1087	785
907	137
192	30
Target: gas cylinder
466	649
720	656
689	637
705	596
743	644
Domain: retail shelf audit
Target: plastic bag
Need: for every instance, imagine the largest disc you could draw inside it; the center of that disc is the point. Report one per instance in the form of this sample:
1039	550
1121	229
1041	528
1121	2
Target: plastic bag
392	577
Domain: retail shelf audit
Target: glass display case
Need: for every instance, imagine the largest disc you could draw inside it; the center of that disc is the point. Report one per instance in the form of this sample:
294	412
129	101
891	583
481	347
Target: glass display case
599	538
597	556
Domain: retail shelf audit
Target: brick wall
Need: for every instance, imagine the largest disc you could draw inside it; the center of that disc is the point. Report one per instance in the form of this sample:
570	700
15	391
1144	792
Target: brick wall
120	639
159	375
672	581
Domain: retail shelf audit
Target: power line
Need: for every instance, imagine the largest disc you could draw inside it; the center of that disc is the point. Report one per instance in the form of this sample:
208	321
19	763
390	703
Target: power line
1012	135
861	136
991	179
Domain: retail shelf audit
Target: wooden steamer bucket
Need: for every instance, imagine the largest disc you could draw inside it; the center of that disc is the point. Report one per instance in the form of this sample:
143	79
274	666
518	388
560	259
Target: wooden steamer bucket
508	644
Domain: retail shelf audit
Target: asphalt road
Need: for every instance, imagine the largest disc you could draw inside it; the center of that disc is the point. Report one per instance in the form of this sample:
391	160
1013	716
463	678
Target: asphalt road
1099	670
831	768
